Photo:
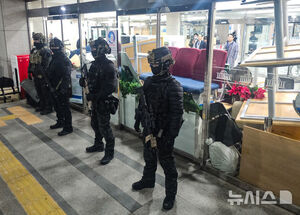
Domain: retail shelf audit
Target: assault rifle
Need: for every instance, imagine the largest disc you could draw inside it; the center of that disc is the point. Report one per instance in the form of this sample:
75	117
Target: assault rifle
52	89
86	91
144	116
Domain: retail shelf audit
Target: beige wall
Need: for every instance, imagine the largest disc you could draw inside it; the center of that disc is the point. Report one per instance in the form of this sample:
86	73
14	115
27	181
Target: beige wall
13	33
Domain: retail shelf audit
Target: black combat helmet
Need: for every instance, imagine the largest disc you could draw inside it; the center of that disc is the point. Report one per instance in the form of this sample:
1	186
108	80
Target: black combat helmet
160	60
39	40
99	47
39	37
56	45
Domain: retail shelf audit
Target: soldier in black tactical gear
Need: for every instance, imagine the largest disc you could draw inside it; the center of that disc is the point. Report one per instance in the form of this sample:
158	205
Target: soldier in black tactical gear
59	76
40	57
102	82
160	110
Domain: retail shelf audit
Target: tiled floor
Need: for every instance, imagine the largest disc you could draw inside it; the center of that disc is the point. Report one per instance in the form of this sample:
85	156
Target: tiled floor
79	185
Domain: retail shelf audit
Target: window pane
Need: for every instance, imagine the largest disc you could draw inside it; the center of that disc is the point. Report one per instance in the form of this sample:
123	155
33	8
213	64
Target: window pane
53	3
34	4
87	0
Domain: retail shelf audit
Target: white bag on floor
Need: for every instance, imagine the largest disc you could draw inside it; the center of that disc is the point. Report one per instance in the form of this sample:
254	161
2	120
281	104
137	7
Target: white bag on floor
223	157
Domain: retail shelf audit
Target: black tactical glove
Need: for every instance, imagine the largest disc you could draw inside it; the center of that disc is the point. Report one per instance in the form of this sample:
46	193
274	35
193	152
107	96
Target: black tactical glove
82	82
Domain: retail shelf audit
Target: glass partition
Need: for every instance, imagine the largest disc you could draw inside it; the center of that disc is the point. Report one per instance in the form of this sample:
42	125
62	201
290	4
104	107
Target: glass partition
137	35
94	25
71	39
36	25
54	28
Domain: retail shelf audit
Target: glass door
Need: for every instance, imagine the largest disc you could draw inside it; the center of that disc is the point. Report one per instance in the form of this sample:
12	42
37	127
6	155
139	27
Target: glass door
65	28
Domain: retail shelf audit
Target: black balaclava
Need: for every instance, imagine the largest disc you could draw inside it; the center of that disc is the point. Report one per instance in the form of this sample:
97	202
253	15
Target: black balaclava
38	45
99	48
160	60
56	46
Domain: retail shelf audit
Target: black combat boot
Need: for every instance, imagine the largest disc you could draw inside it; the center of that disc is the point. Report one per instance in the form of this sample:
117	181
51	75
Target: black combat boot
142	184
38	109
46	111
65	131
168	202
59	124
97	147
109	151
108	156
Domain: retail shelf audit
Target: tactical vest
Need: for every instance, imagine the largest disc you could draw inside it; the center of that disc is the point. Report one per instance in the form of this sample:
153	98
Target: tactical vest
35	61
93	77
157	102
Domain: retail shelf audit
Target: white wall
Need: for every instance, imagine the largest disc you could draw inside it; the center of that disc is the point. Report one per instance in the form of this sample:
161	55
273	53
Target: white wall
173	24
13	33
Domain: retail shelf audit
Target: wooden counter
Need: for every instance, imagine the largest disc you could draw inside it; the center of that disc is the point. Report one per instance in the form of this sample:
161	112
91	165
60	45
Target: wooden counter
271	162
285	128
267	57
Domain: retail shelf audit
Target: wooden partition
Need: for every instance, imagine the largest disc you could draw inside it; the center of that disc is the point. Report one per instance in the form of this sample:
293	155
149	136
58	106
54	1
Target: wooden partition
143	47
271	162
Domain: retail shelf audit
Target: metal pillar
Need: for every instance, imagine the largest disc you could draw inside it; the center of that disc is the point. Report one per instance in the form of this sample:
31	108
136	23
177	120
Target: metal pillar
285	22
278	11
119	63
272	71
28	30
158	29
135	54
271	91
62	29
208	79
84	101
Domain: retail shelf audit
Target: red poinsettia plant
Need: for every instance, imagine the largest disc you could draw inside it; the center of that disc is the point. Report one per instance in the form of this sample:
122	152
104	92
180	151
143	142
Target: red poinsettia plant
243	93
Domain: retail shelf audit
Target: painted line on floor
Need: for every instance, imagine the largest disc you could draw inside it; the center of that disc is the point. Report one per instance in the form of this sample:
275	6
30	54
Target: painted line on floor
115	192
58	198
120	156
30	194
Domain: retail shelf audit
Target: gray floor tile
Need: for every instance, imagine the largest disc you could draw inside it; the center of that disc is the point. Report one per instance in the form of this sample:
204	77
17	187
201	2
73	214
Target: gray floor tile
198	192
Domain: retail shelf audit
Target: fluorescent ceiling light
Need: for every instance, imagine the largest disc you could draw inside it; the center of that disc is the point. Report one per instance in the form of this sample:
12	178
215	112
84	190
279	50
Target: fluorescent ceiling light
100	15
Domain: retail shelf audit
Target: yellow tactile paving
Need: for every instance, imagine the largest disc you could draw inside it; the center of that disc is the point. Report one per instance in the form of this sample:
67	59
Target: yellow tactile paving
24	115
8	117
30	194
4	118
2	123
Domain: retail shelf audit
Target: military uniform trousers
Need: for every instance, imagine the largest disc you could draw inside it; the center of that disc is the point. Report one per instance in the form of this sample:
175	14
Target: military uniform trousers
164	154
100	122
43	93
61	105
